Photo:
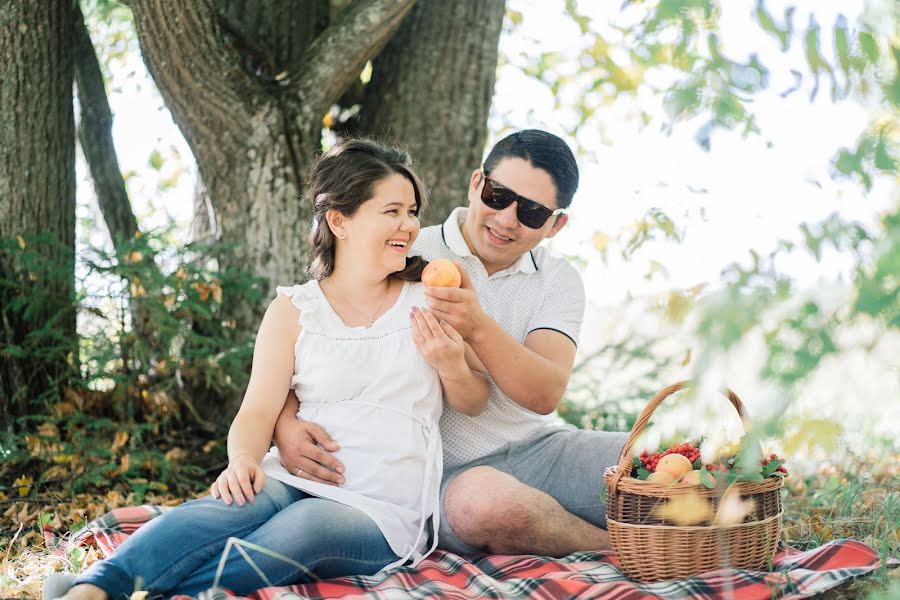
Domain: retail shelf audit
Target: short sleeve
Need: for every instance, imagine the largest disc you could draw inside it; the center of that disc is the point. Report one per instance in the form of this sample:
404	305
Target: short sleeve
305	300
561	306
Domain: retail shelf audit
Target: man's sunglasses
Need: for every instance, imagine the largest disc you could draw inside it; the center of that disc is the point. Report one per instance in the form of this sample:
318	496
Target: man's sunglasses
530	214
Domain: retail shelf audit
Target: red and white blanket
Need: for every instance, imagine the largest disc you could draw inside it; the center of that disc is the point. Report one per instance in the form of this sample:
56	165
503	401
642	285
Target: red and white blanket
580	575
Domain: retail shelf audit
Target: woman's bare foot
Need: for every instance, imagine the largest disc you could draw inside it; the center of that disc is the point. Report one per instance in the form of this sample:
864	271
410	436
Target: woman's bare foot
85	591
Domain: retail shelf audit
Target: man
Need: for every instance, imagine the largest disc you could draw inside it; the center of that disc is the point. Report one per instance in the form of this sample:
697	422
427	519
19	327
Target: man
514	482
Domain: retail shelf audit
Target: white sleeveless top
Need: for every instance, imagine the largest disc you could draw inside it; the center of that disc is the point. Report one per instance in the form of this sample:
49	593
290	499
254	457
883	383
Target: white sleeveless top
374	393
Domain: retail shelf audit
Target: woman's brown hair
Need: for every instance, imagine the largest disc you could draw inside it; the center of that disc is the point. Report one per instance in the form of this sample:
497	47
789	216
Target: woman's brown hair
343	179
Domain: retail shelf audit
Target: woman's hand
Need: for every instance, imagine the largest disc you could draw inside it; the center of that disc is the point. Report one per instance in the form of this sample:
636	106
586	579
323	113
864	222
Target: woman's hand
243	478
440	344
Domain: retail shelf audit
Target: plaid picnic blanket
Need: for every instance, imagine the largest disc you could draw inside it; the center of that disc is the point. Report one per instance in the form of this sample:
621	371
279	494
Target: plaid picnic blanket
580	575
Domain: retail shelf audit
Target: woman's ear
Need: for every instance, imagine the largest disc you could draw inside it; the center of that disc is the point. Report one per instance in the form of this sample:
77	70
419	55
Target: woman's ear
337	222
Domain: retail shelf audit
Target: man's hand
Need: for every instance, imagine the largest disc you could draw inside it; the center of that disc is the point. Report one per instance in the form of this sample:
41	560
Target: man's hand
298	444
457	306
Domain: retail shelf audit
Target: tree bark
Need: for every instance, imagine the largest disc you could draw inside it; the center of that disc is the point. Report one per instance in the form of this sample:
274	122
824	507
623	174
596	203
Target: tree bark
431	90
95	135
37	196
253	132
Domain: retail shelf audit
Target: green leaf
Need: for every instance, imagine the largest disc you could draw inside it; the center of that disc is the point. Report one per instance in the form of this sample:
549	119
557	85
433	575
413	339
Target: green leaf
869	46
768	24
156	160
752	476
706	480
772	466
514	16
841	44
847	162
643	473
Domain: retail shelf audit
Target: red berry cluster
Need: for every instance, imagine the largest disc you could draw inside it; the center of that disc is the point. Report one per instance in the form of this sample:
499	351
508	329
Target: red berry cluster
687	449
765	461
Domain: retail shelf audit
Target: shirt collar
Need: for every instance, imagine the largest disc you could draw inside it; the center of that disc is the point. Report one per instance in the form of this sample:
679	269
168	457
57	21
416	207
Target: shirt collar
451	231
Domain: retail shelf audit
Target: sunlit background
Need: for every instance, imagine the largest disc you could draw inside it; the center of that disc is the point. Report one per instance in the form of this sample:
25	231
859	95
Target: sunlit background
724	195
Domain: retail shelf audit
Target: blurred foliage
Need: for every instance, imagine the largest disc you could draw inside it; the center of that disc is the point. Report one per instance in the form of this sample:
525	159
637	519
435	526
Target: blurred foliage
153	331
674	49
37	349
157	367
853	497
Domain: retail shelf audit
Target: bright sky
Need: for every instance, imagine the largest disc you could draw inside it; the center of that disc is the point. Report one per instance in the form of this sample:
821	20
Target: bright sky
757	190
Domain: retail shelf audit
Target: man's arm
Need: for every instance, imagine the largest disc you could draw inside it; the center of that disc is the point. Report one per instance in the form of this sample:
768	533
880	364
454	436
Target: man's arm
299	442
534	374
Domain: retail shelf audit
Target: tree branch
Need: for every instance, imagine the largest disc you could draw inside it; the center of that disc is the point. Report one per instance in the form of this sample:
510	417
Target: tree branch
200	72
361	31
95	135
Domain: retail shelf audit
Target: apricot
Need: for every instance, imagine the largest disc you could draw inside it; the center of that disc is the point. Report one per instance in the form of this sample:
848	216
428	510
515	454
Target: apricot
693	477
441	273
675	465
661	477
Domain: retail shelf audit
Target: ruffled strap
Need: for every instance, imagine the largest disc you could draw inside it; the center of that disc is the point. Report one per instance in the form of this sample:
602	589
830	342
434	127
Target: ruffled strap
308	302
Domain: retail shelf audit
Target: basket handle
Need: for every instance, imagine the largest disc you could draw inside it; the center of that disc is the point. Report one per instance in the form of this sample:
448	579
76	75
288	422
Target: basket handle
644	418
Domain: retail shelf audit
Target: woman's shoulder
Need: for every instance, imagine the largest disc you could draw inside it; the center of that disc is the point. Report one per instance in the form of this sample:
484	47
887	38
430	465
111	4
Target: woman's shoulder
299	294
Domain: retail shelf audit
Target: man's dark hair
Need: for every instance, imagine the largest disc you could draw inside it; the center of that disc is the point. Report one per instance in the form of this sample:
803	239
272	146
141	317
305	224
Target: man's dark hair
544	151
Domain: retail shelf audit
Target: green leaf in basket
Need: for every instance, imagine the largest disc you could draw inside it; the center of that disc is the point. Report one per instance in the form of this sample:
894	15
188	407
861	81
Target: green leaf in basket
771	467
697	464
754	476
707	480
643	473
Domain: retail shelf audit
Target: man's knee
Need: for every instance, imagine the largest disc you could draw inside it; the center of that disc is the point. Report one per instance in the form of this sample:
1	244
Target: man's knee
484	506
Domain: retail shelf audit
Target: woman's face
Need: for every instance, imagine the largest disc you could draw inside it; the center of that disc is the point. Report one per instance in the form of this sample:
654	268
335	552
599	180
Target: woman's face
384	227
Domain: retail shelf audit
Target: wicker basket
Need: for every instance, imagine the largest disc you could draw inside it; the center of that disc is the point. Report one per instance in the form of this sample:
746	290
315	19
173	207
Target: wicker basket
649	548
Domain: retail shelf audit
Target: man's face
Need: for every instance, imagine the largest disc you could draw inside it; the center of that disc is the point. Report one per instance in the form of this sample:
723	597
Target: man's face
496	236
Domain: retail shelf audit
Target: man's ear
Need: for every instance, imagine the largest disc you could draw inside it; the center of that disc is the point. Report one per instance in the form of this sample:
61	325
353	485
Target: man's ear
474	182
561	221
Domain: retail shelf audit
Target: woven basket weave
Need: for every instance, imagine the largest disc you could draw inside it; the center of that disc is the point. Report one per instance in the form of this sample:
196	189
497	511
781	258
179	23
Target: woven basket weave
649	548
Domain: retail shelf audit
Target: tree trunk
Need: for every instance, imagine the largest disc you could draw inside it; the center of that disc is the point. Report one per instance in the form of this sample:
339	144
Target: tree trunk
251	111
431	90
95	135
248	84
37	196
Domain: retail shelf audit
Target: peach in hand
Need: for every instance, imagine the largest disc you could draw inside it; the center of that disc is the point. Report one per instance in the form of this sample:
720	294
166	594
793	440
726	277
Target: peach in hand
675	465
441	273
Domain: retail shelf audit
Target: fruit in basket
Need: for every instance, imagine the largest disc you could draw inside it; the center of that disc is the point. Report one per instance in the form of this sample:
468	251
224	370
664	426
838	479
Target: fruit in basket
697	477
661	477
691	477
675	465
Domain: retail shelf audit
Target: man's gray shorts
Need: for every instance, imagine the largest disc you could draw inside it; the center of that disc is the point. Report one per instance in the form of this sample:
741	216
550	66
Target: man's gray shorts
565	463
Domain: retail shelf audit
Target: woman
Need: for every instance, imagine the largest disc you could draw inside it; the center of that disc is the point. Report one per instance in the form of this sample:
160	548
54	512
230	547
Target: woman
366	363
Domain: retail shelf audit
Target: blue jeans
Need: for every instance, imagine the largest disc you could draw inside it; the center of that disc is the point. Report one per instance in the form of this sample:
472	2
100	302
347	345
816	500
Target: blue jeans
179	551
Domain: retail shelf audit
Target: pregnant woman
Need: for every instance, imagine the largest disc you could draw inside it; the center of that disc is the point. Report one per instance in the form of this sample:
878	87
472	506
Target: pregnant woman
367	363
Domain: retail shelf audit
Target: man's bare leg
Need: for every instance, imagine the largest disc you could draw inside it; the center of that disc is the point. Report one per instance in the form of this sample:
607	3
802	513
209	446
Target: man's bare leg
85	591
489	509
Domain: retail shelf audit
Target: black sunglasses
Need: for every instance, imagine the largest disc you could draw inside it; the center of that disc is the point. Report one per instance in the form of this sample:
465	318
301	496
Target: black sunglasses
530	214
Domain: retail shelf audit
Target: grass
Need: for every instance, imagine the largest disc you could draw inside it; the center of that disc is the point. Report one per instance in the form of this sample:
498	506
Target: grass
856	498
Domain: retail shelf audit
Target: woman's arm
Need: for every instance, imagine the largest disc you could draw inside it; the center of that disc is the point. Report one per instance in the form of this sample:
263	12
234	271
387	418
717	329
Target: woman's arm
463	377
270	378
